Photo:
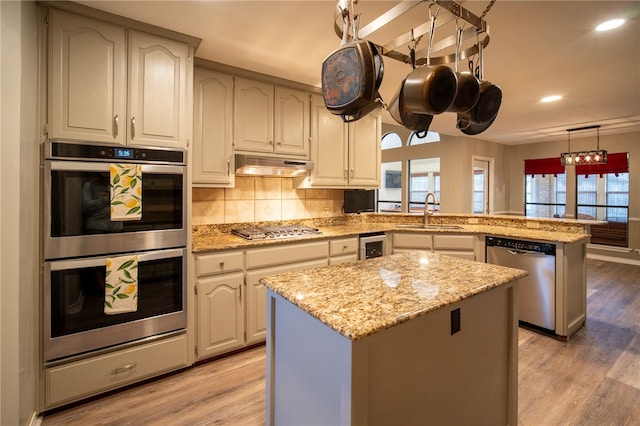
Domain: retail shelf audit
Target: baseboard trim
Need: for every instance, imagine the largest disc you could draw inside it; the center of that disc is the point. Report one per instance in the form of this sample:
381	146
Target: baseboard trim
614	259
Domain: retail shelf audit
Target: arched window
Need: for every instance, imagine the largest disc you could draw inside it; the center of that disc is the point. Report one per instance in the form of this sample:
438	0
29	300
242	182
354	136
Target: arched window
430	137
391	140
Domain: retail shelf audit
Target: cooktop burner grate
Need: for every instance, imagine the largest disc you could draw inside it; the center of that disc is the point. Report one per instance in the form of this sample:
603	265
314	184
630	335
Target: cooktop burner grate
261	233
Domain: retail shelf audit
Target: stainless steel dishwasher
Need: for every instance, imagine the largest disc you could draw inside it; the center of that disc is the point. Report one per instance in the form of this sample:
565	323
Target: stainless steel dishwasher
536	291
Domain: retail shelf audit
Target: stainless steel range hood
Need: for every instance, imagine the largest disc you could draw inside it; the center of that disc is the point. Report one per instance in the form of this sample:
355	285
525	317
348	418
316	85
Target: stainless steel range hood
254	165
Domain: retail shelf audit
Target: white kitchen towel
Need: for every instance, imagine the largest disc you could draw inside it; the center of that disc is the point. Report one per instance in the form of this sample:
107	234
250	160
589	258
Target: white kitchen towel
121	285
126	191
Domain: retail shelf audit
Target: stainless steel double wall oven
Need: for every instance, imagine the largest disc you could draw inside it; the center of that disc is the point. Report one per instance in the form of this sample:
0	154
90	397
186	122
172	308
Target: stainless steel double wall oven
79	237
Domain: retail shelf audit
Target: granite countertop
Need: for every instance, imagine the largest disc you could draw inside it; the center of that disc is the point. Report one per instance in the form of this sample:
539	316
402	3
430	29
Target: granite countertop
203	243
397	288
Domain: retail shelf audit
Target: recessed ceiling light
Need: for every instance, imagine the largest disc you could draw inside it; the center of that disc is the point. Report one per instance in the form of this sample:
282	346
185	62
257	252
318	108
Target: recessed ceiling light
551	98
609	25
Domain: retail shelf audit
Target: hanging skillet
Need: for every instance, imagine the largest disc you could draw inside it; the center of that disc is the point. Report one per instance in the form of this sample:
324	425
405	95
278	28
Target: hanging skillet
427	89
483	114
351	76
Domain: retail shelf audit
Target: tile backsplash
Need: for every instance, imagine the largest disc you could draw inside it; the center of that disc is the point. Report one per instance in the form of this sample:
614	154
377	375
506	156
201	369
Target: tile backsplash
260	199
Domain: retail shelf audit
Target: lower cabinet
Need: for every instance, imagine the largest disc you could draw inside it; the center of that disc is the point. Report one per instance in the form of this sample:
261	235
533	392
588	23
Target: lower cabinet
462	246
343	250
220	314
80	379
231	301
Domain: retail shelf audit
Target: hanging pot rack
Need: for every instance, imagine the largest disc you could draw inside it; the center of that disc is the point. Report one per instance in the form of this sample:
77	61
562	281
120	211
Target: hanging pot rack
479	30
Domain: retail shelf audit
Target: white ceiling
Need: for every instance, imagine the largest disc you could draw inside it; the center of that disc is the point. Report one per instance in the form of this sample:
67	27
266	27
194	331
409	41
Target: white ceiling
537	48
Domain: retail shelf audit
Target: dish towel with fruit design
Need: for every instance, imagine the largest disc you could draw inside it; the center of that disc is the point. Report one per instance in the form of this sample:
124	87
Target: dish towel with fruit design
121	285
126	191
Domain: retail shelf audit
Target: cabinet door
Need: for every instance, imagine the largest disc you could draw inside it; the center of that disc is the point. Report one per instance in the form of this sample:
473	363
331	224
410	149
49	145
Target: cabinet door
220	314
364	152
253	116
328	146
87	75
158	91
257	296
212	138
292	122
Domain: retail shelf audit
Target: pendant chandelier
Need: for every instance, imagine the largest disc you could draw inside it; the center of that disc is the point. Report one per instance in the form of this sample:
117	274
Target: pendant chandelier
579	158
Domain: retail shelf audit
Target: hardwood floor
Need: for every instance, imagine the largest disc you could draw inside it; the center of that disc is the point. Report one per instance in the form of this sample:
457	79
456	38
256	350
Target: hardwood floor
594	379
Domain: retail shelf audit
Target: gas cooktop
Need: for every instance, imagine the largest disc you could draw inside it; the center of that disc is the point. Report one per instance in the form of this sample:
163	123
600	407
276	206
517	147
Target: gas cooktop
261	233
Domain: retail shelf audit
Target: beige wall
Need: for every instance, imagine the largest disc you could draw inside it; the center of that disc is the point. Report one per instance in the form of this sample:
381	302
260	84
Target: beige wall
257	199
456	167
19	183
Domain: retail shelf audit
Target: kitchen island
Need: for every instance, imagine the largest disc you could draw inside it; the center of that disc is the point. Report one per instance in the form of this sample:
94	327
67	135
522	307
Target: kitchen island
412	338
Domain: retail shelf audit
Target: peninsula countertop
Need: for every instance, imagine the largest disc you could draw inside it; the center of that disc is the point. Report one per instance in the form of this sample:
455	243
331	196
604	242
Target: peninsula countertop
360	298
207	239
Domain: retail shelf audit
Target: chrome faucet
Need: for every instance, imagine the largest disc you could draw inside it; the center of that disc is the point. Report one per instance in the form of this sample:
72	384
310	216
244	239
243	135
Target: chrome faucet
427	214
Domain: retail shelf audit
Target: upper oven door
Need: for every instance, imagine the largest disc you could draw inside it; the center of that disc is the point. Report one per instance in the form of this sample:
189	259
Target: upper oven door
77	210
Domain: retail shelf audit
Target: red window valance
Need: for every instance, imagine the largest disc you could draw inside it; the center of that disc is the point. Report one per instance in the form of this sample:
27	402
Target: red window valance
543	166
616	163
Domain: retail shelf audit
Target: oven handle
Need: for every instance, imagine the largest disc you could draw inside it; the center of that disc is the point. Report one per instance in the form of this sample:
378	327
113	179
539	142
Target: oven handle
104	167
61	265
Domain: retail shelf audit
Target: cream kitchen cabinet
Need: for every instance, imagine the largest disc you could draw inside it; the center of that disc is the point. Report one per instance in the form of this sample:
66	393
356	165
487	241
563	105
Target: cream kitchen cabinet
86	377
271	119
462	246
279	259
346	155
231	302
220	302
112	84
212	159
343	250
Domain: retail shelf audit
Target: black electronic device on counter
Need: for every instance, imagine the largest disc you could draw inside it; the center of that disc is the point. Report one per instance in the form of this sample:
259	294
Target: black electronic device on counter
359	200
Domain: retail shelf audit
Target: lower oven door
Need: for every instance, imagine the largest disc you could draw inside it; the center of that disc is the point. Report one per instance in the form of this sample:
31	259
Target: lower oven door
74	300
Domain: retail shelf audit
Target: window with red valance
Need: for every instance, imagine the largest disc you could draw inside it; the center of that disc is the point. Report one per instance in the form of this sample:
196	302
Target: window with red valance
543	166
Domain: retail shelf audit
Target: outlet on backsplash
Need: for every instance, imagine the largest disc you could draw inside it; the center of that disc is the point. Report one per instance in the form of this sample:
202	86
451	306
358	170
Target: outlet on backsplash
255	199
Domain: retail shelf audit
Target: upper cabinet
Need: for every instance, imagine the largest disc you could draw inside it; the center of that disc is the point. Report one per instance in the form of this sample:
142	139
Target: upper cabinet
345	155
213	161
110	84
271	119
158	113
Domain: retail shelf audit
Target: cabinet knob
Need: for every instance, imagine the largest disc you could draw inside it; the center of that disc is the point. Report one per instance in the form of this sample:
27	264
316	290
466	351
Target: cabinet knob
270	142
221	265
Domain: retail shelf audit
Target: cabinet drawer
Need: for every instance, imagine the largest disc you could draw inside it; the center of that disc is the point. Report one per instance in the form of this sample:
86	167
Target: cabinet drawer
454	242
80	379
469	255
278	255
412	240
219	263
343	246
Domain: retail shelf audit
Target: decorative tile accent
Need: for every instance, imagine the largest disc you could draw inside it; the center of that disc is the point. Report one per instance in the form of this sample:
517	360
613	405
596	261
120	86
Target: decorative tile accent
268	210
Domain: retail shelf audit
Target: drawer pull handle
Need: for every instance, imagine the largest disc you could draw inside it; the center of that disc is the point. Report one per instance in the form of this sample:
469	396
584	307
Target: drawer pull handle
344	247
221	265
124	368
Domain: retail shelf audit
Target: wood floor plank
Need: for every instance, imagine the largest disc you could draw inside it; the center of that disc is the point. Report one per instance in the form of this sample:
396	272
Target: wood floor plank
590	380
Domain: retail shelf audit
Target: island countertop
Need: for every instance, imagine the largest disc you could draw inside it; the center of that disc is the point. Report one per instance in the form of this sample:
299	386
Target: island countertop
361	298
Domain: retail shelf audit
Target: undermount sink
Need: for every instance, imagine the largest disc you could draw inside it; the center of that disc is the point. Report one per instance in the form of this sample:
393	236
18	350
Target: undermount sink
430	226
